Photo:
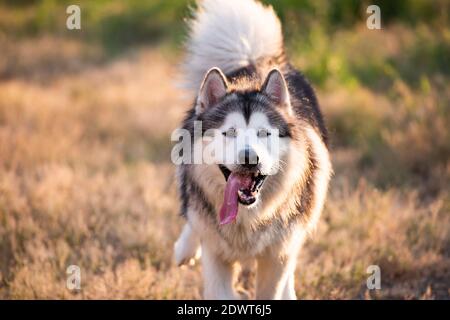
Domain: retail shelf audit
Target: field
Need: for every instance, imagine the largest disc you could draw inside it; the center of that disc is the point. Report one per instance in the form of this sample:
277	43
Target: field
85	171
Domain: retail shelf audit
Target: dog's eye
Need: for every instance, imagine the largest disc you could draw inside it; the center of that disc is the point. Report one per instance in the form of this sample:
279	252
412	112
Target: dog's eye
263	133
230	133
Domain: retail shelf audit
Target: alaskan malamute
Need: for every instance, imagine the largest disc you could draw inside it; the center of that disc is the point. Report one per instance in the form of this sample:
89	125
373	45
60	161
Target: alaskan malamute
263	189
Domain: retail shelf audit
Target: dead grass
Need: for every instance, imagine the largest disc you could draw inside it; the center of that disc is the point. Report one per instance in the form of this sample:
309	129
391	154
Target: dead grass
86	179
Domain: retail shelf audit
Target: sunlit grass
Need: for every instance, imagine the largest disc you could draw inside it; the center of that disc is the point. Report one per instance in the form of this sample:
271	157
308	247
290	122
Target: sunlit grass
85	172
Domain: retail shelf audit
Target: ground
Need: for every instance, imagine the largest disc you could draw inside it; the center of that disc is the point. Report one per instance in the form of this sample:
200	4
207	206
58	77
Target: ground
86	177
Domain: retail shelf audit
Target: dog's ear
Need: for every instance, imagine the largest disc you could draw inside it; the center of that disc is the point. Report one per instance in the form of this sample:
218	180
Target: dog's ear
275	88
213	88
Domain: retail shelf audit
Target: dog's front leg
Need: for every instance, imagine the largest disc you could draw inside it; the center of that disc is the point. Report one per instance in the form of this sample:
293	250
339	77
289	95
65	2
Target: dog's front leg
218	276
289	289
276	267
274	276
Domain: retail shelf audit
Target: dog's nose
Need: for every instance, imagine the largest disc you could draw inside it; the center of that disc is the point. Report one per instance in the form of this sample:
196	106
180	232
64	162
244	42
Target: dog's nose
248	158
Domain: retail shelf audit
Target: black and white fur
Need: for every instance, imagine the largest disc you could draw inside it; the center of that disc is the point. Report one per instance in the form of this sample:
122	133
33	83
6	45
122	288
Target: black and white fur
237	66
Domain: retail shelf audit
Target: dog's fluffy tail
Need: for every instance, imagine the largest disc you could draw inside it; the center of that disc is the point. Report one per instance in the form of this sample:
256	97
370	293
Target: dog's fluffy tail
230	34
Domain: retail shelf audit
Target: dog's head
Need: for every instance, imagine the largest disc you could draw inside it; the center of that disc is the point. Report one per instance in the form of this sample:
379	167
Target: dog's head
245	132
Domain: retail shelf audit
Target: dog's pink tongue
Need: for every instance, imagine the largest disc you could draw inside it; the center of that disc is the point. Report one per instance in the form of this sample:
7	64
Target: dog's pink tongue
229	209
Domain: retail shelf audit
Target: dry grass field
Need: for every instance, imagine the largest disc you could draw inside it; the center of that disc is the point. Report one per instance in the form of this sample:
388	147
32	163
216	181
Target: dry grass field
86	177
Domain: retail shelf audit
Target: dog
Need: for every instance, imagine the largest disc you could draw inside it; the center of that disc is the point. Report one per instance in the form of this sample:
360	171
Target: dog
264	195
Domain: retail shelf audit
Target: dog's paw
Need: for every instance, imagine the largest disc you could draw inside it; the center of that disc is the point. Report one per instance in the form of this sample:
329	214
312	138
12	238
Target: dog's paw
185	257
242	294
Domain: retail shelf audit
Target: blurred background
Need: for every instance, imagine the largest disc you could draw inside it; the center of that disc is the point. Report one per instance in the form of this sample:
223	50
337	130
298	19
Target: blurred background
85	171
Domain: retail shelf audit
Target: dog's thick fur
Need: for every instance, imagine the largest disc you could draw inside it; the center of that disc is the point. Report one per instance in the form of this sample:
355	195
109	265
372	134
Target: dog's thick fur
242	39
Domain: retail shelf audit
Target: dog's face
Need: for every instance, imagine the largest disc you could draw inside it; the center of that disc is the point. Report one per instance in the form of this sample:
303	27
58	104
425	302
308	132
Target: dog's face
245	133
